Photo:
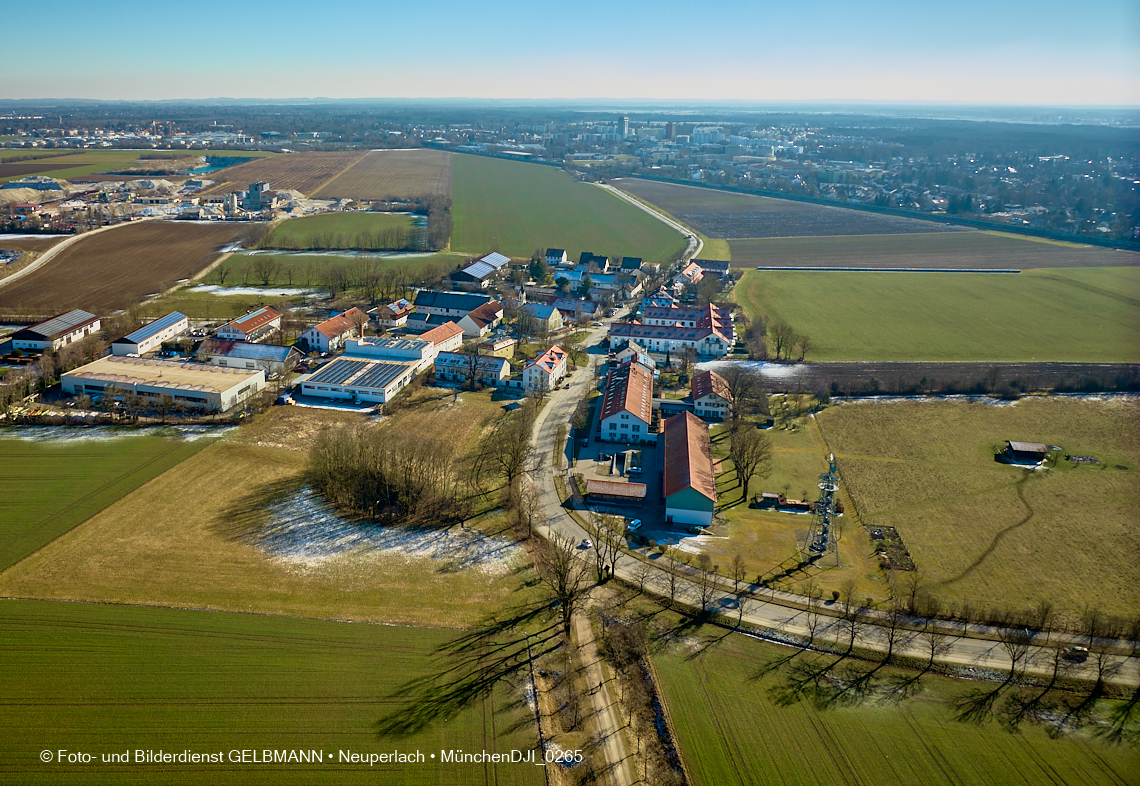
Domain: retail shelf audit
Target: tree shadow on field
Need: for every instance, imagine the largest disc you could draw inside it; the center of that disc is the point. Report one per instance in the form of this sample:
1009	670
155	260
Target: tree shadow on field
246	518
977	705
467	669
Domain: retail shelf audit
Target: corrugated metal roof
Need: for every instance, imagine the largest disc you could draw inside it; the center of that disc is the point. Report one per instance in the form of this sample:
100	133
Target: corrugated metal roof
146	331
613	488
1029	447
64	323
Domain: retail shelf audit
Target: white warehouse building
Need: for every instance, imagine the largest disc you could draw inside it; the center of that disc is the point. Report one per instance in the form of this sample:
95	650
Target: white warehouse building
187	384
150	337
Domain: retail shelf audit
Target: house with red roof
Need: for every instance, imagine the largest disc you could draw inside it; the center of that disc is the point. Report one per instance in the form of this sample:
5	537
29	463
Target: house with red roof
331	334
689	480
545	371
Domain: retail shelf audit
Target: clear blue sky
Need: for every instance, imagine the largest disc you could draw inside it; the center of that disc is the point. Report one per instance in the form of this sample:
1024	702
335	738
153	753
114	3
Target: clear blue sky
977	51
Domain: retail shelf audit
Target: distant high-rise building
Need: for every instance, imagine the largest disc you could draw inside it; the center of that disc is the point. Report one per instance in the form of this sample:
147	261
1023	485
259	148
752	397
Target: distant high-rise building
670	130
625	126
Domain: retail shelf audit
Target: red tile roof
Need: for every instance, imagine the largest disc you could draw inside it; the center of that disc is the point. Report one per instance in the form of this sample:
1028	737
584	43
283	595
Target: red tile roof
710	382
629	389
487	313
442	333
260	318
549	360
688	456
341	323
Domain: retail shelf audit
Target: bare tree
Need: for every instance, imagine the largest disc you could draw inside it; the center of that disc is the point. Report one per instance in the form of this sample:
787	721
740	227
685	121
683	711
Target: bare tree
507	451
222	271
470	353
641	575
893	631
751	454
1016	642
265	268
746	391
937	642
564	574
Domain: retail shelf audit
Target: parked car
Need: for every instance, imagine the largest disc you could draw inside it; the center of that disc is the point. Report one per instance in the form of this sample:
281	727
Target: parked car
635	524
1078	654
587	543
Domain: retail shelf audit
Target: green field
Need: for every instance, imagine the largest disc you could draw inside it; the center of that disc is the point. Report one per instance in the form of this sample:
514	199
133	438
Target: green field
93	162
1087	314
515	208
108	679
993	534
336	230
47	488
739	720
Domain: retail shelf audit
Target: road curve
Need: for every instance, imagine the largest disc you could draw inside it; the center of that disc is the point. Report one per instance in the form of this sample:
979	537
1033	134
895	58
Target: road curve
51	252
695	242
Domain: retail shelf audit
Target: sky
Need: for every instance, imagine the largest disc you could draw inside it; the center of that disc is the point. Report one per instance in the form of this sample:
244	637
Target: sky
1044	52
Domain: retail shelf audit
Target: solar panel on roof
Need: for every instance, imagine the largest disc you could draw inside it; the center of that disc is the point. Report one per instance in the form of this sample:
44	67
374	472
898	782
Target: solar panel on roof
380	375
338	371
160	324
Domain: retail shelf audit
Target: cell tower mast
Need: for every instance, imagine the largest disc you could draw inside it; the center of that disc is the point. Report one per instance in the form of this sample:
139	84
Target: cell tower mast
821	538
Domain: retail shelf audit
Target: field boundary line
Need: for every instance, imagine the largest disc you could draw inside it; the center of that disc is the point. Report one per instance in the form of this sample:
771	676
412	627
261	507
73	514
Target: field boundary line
338	173
51	252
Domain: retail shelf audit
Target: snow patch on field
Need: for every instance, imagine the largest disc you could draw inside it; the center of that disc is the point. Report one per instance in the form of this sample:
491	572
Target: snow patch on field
61	434
769	370
305	531
213	289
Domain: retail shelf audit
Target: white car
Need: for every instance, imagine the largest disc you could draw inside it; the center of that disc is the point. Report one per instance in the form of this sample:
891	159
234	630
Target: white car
587	544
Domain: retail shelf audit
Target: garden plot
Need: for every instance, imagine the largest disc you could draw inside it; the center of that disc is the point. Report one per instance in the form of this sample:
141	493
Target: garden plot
304	530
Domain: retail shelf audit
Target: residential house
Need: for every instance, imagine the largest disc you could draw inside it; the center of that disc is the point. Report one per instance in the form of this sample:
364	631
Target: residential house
586	259
330	335
456	367
689	486
631	350
631	264
574	308
711	397
482	320
253	326
707	341
499	345
445	338
713	267
546	371
660	298
392	315
690	274
556	257
453	305
626	414
547	318
57	332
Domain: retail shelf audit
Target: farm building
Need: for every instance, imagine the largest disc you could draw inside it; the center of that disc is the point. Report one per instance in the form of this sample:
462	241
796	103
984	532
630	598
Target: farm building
690	483
331	334
446	337
545	371
708	342
59	331
392	315
615	492
1028	453
627	405
547	318
707	317
417	351
187	384
253	326
150	337
499	346
479	273
482	320
631	264
555	257
434	308
711	397
359	380
456	367
273	359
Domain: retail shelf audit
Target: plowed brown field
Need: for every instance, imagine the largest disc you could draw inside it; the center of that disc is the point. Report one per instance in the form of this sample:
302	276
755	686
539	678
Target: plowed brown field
398	174
304	172
116	268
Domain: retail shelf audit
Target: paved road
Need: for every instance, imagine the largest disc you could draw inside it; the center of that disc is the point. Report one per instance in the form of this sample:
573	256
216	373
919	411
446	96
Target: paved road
695	242
781	614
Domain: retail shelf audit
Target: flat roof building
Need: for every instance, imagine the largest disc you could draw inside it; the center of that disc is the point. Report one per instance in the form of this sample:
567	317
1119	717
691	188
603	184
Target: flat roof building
359	379
150	337
188	384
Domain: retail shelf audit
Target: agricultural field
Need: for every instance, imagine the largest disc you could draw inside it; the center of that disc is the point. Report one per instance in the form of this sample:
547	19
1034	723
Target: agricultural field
31	247
340	230
309	269
304	172
973	249
269	545
81	163
108	679
729	215
515	208
393	174
1038	315
48	486
746	711
989	533
115	268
